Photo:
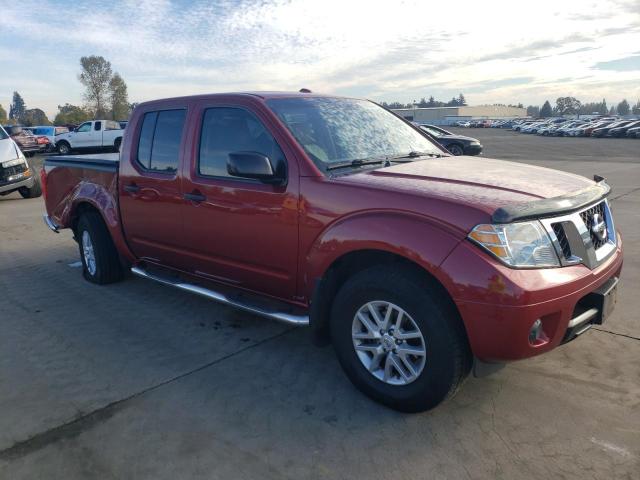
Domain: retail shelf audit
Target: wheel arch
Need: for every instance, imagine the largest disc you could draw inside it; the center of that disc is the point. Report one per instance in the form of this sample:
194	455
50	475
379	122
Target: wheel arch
112	224
350	264
391	238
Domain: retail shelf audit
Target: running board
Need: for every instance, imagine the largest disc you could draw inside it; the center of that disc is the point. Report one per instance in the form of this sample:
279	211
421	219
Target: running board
290	318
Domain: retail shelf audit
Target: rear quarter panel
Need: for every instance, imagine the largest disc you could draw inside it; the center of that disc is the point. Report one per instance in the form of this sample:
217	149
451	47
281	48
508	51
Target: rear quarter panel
69	187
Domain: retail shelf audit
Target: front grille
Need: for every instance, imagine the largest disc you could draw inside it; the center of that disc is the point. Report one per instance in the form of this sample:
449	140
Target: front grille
6	172
558	229
589	217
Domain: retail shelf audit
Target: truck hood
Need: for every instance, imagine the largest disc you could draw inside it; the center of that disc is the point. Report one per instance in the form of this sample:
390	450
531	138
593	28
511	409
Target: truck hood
480	184
8	150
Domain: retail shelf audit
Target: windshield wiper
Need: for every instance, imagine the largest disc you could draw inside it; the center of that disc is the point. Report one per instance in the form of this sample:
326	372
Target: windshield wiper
414	154
358	162
405	157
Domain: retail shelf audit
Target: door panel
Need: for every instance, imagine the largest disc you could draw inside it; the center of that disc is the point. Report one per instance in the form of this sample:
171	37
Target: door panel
150	189
82	136
239	231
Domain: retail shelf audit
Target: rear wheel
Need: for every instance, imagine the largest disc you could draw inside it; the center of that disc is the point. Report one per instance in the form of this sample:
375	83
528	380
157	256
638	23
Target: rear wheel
397	340
100	259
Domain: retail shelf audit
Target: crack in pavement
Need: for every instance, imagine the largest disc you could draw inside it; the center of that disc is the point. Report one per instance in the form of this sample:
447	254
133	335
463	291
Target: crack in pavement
85	422
616	333
625	194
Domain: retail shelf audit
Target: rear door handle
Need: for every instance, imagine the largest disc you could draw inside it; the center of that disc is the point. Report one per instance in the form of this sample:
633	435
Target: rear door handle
194	197
133	188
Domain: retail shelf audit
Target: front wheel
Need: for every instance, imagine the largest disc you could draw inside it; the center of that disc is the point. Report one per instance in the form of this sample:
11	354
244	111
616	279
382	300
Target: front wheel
31	192
397	340
455	149
63	148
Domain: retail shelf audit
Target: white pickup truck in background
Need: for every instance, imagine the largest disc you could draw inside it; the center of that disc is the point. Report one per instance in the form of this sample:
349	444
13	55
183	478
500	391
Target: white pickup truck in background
93	134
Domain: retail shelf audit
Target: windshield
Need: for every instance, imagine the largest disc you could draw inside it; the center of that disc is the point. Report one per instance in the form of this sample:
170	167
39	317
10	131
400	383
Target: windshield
3	134
336	130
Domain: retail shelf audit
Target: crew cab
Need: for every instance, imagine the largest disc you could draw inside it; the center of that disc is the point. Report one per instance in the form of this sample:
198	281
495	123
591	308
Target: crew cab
334	213
91	135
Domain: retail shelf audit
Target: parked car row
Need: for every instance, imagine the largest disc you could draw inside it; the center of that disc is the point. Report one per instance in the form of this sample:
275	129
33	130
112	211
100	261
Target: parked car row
485	123
599	127
47	138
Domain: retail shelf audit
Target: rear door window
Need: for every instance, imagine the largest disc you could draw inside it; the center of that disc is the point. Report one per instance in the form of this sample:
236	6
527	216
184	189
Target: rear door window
97	126
159	143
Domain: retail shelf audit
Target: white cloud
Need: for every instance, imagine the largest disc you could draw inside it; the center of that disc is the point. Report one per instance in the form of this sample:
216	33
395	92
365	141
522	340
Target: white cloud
496	51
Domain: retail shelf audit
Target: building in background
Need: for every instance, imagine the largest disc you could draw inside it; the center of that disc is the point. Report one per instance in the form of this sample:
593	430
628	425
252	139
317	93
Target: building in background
450	115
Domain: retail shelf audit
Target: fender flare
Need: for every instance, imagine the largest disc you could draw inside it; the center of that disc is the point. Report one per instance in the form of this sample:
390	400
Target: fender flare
419	239
102	199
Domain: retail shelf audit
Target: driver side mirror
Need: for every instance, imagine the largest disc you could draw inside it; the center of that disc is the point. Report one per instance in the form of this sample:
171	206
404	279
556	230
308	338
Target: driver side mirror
253	165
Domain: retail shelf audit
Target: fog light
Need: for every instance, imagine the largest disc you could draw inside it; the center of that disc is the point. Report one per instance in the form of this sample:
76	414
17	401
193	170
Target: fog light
536	334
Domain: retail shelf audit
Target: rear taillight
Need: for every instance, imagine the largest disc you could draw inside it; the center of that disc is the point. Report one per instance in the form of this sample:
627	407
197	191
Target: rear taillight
43	182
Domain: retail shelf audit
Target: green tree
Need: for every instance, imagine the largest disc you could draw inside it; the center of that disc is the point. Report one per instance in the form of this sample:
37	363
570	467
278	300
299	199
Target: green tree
612	110
95	76
567	105
546	110
17	108
636	108
71	115
623	107
534	111
3	115
35	116
461	100
118	98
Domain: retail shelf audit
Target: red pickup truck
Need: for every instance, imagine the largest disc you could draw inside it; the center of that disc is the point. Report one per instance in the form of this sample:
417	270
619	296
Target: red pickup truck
335	213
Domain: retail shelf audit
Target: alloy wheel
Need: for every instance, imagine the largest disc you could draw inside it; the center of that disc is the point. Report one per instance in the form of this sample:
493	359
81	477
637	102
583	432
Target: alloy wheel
88	253
388	343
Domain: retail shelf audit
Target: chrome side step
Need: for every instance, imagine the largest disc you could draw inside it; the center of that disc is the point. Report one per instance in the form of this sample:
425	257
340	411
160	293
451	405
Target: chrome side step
290	318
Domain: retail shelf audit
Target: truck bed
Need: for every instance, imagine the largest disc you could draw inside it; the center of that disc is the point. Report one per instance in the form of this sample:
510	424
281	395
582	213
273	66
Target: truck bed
74	179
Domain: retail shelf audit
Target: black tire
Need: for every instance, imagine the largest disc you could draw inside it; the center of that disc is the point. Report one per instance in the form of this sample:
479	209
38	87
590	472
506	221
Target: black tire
33	192
448	356
455	149
117	143
107	267
63	148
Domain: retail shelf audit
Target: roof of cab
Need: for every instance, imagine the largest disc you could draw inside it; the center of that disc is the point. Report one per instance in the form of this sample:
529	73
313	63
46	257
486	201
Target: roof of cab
262	95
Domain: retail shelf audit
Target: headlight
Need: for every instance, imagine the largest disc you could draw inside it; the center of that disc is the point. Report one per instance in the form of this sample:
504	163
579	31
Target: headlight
524	244
16	161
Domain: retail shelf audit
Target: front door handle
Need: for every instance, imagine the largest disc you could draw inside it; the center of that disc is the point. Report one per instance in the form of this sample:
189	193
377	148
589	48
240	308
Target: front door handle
133	188
195	196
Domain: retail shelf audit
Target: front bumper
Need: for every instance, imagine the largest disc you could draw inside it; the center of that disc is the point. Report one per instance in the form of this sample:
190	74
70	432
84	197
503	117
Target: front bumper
499	305
16	184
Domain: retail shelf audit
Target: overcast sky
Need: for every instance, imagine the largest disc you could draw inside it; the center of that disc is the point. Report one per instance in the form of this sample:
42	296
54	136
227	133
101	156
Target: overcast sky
493	52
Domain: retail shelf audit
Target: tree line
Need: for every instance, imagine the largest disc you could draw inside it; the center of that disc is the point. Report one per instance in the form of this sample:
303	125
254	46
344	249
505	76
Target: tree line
573	106
105	96
458	101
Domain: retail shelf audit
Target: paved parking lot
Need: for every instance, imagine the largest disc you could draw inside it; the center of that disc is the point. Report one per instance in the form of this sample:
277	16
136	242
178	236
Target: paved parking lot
136	380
